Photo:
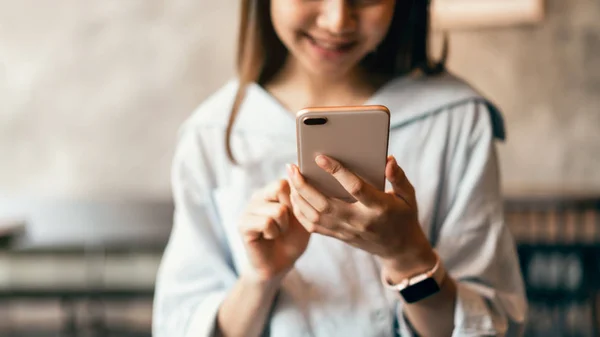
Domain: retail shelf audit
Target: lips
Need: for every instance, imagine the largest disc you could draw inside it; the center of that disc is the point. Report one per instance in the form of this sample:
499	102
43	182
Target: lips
330	45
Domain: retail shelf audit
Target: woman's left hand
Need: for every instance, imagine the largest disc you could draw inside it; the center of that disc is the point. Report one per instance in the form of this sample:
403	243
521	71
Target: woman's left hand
382	223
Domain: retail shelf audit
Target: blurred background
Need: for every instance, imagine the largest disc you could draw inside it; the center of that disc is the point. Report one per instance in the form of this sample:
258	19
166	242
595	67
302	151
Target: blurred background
92	94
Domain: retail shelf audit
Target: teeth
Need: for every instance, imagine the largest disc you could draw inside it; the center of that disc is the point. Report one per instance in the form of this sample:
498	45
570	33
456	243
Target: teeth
329	46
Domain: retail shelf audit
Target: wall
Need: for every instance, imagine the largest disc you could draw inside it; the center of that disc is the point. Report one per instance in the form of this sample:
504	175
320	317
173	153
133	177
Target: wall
546	79
91	93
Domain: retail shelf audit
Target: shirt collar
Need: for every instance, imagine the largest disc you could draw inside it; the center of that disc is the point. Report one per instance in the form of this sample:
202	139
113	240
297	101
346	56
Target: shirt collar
409	98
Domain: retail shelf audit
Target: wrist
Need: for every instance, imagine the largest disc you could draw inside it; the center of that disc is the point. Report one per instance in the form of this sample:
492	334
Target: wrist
265	284
409	263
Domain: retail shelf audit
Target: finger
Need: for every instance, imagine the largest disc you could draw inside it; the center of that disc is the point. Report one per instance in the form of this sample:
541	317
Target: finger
338	221
357	187
274	210
314	198
255	227
401	186
311	227
297	212
298	203
308	225
278	191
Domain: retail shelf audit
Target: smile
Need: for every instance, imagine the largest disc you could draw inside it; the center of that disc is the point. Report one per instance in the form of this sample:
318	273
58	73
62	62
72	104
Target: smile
332	46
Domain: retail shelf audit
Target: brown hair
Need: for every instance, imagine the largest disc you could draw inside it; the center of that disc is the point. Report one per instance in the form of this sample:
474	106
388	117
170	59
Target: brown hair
261	54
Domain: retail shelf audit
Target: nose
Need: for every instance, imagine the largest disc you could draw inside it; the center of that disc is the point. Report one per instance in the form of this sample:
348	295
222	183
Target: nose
337	17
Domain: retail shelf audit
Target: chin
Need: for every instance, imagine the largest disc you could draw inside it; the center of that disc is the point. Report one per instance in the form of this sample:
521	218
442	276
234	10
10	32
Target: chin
326	68
329	71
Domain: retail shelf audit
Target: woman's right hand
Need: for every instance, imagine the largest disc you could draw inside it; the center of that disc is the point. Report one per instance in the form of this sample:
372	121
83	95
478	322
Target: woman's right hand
273	237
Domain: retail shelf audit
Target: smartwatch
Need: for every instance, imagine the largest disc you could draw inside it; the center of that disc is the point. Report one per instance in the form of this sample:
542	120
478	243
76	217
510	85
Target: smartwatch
420	286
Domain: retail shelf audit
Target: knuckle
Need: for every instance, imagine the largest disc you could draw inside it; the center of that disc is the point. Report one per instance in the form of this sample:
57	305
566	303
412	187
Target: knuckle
336	168
380	210
325	208
281	212
341	236
351	236
268	223
311	228
297	213
282	185
356	187
315	218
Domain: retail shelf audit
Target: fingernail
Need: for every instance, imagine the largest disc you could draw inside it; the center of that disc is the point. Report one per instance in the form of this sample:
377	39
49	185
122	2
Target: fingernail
294	173
323	161
290	171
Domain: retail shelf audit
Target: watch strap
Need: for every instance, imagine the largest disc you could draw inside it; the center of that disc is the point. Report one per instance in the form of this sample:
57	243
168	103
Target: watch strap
419	286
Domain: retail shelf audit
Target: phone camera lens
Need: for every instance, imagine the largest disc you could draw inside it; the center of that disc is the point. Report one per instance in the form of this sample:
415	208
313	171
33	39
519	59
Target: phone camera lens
315	121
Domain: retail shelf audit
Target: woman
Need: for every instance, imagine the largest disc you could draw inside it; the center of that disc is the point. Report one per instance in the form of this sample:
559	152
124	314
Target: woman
256	250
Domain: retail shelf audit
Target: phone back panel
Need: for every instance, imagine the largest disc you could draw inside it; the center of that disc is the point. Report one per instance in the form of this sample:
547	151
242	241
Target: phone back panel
355	136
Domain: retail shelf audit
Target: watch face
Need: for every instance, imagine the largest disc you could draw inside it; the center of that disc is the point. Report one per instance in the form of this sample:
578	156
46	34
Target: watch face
419	291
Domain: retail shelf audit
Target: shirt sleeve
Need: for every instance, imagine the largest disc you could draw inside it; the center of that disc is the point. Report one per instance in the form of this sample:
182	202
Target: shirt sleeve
471	237
195	271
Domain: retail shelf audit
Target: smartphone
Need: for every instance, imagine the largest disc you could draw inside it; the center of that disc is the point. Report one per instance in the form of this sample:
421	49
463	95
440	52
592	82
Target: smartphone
356	136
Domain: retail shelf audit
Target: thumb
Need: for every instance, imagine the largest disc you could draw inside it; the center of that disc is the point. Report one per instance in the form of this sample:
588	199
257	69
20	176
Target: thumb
401	187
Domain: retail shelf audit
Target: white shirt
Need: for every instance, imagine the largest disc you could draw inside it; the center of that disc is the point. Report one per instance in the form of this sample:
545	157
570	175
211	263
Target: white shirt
442	134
